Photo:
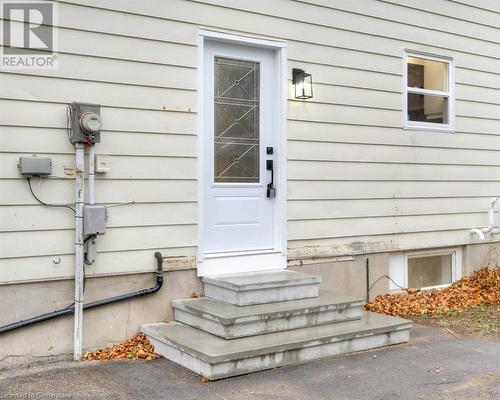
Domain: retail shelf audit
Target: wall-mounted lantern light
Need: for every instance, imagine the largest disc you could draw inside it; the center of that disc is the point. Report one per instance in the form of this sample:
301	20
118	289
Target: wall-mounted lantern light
302	81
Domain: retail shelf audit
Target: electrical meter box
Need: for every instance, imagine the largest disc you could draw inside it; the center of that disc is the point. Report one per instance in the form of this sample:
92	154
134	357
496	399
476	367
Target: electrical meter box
35	166
94	220
85	121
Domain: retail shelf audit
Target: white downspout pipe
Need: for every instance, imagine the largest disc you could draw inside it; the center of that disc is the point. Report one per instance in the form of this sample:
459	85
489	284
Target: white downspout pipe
478	232
491	213
491	216
492	227
79	201
496	230
90	256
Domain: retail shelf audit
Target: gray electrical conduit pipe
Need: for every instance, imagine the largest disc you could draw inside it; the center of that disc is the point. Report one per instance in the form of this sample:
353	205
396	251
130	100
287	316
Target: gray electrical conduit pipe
94	304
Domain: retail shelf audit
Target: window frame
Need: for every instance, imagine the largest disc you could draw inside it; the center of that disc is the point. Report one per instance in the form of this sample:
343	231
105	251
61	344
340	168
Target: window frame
450	94
399	269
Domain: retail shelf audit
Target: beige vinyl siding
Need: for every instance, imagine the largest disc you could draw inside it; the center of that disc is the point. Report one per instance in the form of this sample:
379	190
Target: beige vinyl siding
148	102
357	181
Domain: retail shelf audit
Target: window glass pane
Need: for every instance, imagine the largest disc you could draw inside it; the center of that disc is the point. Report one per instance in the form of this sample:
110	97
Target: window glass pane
236	120
427	74
424	108
429	271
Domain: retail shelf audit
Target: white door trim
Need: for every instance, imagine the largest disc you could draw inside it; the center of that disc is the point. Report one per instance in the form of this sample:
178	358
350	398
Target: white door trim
213	264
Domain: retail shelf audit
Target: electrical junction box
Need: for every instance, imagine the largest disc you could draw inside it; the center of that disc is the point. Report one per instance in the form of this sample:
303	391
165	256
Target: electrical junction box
94	220
85	122
101	164
35	166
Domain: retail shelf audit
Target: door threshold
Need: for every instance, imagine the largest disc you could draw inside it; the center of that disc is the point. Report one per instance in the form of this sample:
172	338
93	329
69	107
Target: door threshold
240	253
234	263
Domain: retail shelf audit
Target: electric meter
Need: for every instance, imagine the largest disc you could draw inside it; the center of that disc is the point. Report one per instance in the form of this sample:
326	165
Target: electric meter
85	123
90	122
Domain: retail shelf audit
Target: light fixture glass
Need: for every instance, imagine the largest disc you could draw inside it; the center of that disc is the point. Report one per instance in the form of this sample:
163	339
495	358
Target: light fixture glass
302	81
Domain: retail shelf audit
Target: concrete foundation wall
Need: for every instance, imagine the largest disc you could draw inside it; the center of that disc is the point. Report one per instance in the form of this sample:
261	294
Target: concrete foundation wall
102	326
349	277
480	255
108	324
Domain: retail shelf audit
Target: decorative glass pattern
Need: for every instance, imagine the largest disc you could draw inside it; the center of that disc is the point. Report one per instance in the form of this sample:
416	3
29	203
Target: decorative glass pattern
236	121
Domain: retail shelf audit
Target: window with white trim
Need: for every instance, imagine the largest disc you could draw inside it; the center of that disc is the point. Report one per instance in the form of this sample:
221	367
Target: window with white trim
425	269
428	93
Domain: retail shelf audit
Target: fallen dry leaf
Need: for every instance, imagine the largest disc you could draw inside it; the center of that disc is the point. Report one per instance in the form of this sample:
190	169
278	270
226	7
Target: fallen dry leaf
137	347
483	287
193	294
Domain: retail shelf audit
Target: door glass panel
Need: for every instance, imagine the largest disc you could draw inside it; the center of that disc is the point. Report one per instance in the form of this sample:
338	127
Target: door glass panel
236	121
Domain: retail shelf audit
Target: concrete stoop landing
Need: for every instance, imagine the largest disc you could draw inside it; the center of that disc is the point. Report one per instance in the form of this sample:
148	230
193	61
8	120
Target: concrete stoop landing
218	339
261	287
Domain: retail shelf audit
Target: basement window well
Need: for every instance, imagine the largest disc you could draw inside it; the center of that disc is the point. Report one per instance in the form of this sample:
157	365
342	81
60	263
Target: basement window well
425	270
428	92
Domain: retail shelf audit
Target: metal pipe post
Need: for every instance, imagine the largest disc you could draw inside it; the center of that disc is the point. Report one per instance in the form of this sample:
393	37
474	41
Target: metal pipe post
91	251
79	201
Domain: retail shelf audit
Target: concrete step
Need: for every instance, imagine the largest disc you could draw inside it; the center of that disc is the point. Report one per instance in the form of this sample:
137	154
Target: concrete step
261	287
216	358
230	321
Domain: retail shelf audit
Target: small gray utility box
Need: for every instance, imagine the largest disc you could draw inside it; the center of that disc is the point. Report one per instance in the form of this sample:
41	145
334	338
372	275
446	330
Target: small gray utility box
94	220
35	166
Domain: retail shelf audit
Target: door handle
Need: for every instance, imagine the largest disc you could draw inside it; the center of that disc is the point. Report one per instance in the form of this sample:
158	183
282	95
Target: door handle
271	190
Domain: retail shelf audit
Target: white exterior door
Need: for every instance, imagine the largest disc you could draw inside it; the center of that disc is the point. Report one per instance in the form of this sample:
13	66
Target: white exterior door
240	160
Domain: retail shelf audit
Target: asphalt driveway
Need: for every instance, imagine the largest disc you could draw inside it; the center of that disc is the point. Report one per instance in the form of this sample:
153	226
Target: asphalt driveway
433	365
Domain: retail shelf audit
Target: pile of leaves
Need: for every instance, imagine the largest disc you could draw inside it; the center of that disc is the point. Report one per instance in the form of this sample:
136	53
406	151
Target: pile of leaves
137	347
483	287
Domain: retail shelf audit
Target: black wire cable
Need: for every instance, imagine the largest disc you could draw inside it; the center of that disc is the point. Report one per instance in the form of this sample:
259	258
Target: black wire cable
84	277
384	276
88	238
46	204
69	116
85	255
